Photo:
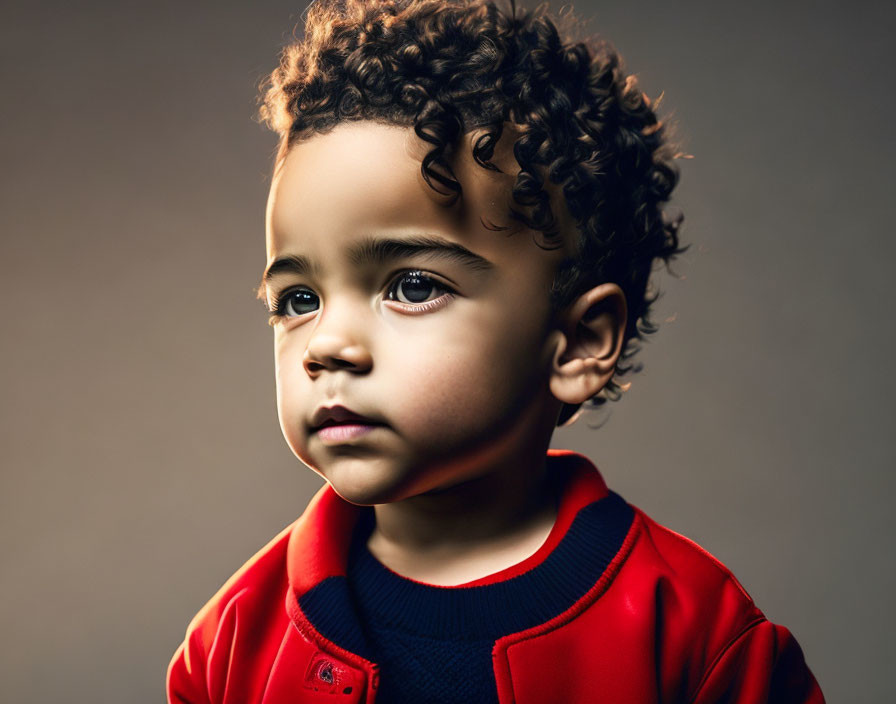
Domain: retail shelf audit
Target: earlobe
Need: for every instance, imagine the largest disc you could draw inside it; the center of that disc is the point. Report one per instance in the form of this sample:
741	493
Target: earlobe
593	331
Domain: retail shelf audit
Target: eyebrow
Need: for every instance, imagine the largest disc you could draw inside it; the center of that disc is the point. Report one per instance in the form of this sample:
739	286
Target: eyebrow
383	251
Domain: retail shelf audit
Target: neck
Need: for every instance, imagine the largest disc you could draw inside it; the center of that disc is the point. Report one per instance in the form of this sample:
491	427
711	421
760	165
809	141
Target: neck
472	529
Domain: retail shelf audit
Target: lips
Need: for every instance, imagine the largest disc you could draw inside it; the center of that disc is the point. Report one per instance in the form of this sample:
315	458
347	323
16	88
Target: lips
338	415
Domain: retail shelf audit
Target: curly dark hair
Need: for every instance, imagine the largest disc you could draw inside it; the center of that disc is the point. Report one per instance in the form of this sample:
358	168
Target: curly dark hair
447	67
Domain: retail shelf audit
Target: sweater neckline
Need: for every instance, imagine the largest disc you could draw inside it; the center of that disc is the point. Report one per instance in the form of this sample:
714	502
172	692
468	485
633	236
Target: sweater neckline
322	599
565	513
535	590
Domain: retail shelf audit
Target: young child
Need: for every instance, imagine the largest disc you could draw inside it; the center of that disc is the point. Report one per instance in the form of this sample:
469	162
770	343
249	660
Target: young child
463	218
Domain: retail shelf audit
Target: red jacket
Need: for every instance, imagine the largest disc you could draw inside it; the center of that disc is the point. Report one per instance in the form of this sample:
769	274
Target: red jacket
664	622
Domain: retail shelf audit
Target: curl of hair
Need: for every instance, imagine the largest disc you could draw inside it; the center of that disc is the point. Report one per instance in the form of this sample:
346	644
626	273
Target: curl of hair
445	67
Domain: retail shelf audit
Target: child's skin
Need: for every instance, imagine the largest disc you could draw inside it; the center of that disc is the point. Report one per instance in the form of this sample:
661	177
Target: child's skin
466	379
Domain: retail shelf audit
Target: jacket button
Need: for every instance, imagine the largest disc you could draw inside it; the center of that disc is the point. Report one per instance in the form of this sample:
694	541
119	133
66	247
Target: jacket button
326	675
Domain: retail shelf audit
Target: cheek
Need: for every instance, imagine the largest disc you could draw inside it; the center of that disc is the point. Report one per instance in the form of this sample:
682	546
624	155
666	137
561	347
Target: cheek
464	380
292	385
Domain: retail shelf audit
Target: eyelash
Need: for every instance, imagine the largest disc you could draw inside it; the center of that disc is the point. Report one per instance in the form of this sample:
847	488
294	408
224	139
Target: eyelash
278	308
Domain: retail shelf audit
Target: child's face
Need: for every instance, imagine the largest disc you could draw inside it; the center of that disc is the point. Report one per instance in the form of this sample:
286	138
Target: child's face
445	349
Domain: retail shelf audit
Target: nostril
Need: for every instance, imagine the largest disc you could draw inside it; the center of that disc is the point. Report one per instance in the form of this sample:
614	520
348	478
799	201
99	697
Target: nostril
354	358
334	363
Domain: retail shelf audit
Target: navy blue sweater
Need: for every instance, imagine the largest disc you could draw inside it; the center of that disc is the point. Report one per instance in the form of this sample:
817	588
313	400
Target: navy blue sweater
434	644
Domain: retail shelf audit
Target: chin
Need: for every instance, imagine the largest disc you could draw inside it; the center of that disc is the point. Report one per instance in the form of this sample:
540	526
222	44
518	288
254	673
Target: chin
359	483
365	496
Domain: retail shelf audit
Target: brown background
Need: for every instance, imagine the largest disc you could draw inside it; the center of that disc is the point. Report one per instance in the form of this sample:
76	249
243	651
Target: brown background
142	461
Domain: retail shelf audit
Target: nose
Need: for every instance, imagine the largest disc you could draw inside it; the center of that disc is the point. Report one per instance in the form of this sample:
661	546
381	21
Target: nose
336	344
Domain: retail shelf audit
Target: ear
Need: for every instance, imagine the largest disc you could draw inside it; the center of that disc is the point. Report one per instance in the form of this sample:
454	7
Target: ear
593	328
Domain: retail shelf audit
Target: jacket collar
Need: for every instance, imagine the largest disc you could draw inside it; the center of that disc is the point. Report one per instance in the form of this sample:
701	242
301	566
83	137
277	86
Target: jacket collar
320	602
320	540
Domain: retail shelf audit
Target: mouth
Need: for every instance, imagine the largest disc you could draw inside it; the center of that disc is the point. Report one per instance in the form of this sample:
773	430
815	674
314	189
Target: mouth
332	434
333	424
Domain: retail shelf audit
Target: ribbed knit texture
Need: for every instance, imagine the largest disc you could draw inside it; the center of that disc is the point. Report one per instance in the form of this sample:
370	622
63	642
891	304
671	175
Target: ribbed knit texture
433	644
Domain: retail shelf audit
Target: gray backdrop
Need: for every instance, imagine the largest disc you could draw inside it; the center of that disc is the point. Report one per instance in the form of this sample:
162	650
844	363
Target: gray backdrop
142	461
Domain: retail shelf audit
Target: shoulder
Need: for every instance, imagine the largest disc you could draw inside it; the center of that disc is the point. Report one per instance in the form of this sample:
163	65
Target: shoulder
706	594
248	611
676	622
256	584
696	567
709	636
671	607
708	627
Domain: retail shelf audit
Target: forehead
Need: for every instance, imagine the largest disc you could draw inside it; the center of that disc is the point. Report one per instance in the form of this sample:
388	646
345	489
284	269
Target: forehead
364	179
